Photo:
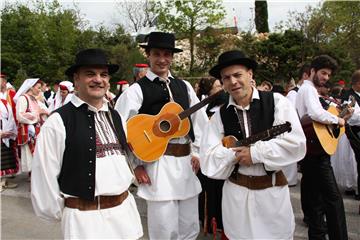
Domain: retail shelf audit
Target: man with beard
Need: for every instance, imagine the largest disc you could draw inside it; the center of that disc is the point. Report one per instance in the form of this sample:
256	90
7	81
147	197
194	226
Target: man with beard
318	181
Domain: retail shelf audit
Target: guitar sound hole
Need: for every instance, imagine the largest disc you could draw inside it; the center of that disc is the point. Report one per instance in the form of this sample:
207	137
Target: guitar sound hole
336	131
165	126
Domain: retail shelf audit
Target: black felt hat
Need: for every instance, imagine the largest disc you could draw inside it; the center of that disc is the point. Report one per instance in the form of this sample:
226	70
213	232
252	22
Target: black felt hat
91	57
231	58
161	40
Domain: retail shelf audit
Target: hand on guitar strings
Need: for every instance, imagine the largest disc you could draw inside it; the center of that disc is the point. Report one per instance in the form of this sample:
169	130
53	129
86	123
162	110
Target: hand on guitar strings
243	155
349	113
141	175
195	163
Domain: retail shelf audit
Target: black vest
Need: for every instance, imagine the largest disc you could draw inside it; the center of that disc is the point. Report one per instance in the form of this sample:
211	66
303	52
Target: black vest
77	176
261	119
261	116
156	95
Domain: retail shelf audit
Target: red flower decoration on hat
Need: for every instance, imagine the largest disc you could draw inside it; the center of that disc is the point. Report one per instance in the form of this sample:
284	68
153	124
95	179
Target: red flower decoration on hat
141	65
341	82
122	82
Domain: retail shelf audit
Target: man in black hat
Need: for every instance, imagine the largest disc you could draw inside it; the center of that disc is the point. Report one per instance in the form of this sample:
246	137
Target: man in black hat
169	185
80	172
256	200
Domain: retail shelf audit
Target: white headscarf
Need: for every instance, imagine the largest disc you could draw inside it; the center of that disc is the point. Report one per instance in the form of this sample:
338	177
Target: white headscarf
58	100
9	86
27	84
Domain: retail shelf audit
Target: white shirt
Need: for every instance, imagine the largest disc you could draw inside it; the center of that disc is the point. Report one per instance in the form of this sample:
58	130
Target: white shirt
308	103
218	161
172	177
113	175
355	118
255	214
292	96
7	122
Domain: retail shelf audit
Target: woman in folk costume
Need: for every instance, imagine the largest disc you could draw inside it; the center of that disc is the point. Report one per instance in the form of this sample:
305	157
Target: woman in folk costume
30	117
8	132
63	95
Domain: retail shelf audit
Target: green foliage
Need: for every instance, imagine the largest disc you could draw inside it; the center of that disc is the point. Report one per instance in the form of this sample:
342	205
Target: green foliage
187	17
42	42
210	44
332	28
278	55
261	16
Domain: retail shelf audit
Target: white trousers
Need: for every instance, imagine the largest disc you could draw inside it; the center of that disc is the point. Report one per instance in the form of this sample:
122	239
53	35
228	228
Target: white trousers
120	222
176	219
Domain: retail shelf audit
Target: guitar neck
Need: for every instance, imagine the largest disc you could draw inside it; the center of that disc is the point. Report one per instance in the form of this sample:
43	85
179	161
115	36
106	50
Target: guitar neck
199	105
253	139
269	133
351	104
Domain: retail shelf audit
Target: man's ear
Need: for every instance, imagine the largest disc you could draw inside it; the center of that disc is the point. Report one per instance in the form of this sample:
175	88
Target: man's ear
75	79
251	73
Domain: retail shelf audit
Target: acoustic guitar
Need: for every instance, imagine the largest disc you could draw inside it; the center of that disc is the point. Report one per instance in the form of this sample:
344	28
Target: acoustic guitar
149	135
324	138
231	141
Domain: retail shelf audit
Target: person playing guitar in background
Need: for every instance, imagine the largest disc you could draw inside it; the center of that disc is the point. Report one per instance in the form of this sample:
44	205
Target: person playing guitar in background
169	185
318	181
256	200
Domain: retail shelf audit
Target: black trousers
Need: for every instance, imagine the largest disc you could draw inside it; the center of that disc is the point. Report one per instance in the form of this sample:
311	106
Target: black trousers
322	196
355	145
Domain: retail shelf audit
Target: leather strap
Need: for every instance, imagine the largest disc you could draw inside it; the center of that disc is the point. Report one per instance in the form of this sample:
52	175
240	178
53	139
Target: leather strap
178	150
100	202
258	182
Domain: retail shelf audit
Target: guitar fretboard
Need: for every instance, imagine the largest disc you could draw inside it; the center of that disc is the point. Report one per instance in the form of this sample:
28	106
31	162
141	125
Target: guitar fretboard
199	105
276	130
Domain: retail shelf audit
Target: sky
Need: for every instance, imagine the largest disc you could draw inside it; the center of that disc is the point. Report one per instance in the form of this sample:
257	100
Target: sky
106	12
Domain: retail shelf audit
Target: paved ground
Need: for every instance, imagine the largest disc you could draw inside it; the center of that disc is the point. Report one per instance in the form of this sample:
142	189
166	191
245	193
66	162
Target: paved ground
18	220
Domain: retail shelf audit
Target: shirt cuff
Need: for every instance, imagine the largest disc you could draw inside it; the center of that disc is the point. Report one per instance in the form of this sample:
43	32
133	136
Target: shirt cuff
255	157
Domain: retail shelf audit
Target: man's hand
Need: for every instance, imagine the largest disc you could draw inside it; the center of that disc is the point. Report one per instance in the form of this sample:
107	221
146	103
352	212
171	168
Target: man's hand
141	175
349	113
341	122
243	155
195	163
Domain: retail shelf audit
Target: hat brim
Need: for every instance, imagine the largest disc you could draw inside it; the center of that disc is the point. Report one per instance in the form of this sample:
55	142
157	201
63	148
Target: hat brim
247	62
112	68
175	50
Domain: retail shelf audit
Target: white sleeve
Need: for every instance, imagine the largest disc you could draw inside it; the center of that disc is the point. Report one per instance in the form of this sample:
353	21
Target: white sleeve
216	161
286	148
315	110
46	166
199	119
12	123
128	105
292	97
129	102
21	106
355	118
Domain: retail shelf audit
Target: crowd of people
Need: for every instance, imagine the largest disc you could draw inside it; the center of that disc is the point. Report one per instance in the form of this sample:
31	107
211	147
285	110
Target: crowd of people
72	142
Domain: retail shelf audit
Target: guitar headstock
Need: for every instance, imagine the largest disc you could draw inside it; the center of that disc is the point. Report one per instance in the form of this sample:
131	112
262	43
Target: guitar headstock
352	101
